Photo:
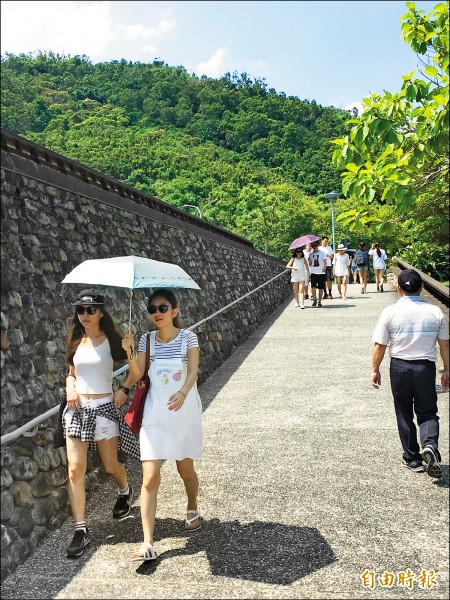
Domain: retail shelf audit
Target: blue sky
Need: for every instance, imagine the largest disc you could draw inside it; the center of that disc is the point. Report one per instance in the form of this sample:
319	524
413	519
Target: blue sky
335	52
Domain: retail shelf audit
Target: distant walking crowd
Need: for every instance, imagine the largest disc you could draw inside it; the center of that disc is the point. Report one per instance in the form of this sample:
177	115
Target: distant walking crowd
411	329
314	267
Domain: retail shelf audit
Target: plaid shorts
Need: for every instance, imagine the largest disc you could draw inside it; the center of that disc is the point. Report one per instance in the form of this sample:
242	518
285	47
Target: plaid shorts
84	422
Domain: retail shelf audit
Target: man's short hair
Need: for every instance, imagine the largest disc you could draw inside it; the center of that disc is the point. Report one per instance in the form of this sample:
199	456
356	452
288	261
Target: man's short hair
410	281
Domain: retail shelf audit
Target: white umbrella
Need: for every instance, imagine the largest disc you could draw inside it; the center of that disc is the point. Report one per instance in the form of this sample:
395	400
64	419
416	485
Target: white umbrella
131	272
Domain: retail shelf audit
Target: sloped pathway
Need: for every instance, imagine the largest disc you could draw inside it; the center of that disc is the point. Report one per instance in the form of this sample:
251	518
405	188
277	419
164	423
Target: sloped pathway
302	486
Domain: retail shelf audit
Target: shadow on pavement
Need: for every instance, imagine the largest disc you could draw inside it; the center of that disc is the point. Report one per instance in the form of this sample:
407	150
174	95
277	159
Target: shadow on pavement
443	482
263	552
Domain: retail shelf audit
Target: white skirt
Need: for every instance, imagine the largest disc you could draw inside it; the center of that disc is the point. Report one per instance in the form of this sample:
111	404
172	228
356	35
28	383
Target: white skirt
170	434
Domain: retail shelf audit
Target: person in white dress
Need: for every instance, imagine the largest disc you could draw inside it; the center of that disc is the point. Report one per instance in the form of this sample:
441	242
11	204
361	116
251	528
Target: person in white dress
341	269
379	264
172	420
299	277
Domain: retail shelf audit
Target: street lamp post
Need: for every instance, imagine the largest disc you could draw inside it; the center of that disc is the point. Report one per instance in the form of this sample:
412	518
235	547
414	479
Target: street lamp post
192	206
332	196
200	210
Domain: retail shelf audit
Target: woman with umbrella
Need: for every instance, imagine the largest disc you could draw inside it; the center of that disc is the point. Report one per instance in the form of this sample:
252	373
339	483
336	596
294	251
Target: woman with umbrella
300	275
91	417
172	419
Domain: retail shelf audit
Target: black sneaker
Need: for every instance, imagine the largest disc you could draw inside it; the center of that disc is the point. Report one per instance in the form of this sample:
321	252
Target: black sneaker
319	305
325	296
79	541
433	467
381	289
122	506
306	297
314	303
414	465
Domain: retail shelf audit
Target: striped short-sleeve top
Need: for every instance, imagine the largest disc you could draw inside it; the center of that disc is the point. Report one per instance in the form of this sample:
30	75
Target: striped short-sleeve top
171	349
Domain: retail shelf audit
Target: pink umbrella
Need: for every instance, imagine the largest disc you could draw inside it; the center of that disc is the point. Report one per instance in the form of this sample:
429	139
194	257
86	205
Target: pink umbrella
303	240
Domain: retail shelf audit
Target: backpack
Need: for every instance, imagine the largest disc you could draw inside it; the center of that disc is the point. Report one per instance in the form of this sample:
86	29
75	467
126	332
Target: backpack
360	261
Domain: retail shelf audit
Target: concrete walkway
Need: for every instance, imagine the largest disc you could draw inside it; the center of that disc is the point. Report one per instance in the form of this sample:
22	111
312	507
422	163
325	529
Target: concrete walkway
302	485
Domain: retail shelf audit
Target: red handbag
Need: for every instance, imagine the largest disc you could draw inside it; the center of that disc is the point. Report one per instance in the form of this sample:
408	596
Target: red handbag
133	418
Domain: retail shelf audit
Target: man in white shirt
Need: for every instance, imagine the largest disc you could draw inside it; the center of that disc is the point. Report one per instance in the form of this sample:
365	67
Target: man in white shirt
329	272
317	261
412	327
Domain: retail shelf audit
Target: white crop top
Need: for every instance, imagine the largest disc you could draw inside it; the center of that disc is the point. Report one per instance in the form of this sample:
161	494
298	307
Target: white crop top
93	369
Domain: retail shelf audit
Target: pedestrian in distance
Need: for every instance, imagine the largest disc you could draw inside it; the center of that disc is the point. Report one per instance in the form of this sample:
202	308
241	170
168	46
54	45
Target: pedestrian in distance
353	268
317	261
361	260
341	269
329	272
299	276
411	328
306	252
379	264
172	420
91	417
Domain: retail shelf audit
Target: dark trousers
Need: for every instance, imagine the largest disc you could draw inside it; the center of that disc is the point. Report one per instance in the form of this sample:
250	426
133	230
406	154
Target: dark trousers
413	384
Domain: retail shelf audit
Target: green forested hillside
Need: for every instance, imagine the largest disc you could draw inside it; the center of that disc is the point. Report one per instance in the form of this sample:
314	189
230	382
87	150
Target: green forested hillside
261	160
251	159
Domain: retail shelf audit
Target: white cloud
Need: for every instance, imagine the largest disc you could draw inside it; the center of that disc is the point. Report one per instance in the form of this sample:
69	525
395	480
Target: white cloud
67	27
357	104
216	65
222	62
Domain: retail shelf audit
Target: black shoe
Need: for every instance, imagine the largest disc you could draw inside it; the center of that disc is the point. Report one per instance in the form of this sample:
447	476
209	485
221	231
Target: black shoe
433	467
314	303
414	465
378	288
319	305
381	289
122	506
306	297
325	296
79	541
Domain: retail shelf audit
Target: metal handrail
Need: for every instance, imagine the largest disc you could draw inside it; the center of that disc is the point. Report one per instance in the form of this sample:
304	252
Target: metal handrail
34	423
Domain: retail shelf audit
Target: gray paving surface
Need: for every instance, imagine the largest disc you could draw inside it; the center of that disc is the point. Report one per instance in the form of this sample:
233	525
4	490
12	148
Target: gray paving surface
302	486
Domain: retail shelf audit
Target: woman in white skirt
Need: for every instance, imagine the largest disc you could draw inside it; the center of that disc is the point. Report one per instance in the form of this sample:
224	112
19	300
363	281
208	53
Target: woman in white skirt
299	277
172	421
341	269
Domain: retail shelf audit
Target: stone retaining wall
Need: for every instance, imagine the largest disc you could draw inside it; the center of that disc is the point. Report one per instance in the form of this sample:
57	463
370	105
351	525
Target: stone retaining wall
48	227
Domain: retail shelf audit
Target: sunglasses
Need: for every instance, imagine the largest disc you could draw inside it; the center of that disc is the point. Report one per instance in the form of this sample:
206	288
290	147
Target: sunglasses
162	308
91	310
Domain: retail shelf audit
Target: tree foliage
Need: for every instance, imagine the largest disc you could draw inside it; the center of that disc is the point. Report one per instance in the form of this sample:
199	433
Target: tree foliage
396	156
398	147
253	160
254	157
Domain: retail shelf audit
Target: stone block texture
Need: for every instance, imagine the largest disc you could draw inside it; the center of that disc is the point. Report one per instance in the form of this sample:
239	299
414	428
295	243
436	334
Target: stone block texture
48	227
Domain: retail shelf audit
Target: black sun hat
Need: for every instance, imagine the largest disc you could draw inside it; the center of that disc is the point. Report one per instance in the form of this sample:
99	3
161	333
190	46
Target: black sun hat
89	296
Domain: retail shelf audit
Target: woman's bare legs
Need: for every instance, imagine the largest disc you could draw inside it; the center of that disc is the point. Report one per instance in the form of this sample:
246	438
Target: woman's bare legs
108	454
77	463
295	288
363	279
189	476
151	478
303	289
